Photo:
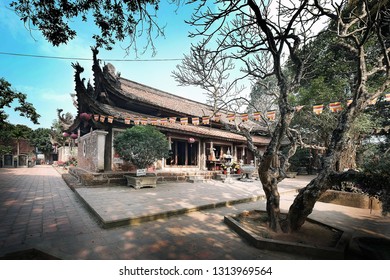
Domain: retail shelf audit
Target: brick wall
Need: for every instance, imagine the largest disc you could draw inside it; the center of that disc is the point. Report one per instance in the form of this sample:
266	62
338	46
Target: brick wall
91	151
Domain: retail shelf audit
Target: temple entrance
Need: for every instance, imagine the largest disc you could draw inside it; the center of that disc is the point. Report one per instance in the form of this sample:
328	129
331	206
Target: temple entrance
183	153
244	154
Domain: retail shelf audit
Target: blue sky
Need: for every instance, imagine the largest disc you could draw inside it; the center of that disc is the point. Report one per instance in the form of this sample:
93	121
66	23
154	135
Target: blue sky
48	83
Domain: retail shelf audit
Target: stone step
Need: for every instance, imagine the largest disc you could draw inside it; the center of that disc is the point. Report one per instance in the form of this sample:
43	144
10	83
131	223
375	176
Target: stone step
196	179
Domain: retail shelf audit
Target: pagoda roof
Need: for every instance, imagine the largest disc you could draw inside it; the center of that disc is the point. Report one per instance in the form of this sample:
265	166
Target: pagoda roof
124	91
122	98
163	99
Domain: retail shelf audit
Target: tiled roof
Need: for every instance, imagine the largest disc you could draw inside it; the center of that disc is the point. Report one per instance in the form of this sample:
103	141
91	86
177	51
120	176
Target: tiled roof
193	130
163	99
182	106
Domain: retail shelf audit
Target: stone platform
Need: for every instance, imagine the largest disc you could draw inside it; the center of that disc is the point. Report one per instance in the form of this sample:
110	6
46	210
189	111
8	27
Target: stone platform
119	205
88	178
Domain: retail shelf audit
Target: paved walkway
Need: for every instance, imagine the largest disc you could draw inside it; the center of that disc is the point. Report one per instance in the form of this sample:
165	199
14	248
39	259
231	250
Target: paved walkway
38	210
114	206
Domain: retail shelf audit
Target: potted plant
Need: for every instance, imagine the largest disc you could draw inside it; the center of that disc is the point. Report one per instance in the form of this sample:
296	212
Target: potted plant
141	146
224	168
236	168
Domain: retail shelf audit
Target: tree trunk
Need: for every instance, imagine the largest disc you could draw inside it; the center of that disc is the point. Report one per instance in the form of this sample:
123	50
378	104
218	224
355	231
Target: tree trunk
348	156
307	197
304	202
270	187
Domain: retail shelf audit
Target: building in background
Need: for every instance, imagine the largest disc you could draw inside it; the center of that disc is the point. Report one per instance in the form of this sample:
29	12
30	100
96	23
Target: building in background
198	137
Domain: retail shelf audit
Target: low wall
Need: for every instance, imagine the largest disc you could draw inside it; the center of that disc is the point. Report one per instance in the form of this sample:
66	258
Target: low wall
356	200
88	178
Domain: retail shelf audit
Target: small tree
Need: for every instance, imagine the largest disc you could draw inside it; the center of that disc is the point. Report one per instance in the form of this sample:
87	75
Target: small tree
141	145
40	139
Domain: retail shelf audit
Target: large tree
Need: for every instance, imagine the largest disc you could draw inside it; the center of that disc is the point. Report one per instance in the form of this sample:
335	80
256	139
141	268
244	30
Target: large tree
40	139
18	133
362	27
259	37
329	78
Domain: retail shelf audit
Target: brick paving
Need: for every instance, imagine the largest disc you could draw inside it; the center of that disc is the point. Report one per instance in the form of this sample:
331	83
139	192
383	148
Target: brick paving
38	210
124	205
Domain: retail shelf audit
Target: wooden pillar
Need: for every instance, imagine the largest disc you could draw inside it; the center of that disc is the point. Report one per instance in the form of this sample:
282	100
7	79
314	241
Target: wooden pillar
176	159
201	155
186	154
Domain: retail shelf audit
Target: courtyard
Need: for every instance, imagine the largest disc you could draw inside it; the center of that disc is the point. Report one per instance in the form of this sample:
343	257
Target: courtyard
176	221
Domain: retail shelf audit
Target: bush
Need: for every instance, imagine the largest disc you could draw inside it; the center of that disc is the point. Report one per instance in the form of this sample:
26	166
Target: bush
141	145
71	161
377	171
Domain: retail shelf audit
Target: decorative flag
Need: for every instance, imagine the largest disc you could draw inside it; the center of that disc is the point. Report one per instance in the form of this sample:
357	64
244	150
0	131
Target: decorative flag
256	116
153	121
317	109
144	121
205	120
172	119
195	121
127	120
271	115
164	121
102	118
335	107
231	117
137	120
372	101
96	117
349	101
244	117
183	121
110	119
298	108
217	117
387	97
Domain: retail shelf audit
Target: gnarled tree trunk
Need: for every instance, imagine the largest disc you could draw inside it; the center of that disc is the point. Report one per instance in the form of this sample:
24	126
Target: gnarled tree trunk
303	204
348	156
270	187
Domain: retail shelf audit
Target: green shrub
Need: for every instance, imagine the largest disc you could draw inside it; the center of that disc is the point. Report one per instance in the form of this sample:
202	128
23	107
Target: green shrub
141	145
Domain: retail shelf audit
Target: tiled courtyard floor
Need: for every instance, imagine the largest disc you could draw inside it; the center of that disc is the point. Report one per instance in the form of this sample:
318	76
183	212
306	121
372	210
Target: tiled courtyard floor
38	210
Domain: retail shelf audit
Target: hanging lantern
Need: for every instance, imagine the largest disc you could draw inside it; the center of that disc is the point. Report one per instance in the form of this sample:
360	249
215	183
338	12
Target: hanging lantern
65	134
73	136
191	140
85	116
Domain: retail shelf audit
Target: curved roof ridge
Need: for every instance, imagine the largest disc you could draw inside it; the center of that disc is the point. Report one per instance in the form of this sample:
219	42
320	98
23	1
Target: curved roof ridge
164	93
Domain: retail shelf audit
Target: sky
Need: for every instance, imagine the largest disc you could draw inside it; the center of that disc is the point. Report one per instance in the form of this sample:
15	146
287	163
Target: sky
48	83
